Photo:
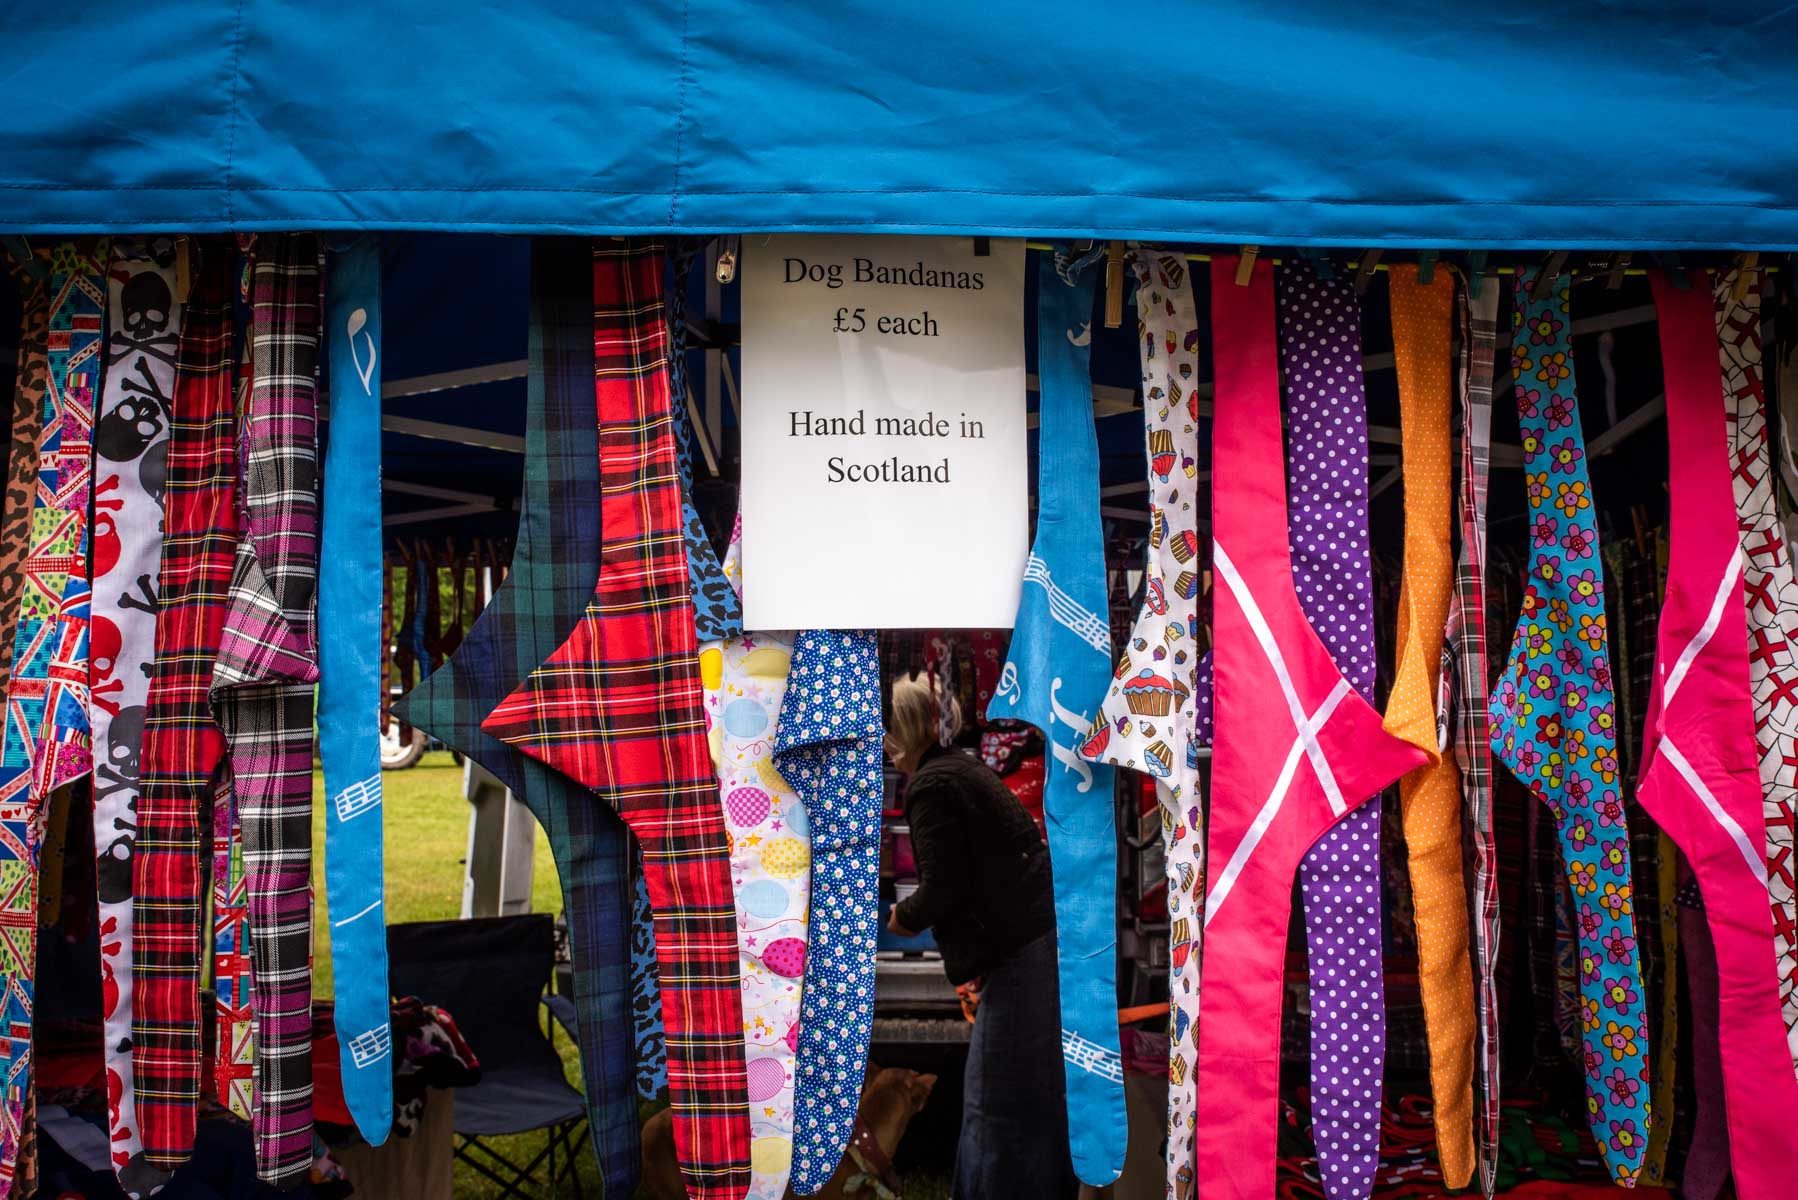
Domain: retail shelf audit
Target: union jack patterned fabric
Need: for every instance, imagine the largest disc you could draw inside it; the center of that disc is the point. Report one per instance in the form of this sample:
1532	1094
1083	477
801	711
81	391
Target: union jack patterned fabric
619	707
1772	595
183	746
46	737
234	1044
262	691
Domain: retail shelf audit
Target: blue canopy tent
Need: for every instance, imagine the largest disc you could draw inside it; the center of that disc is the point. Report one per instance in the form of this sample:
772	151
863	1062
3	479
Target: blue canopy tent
1653	126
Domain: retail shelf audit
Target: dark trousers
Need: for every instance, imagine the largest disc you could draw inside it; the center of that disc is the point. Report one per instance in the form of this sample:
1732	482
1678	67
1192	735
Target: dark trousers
1014	1124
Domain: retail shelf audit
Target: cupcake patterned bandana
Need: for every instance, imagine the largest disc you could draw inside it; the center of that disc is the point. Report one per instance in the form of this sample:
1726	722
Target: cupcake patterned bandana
1146	722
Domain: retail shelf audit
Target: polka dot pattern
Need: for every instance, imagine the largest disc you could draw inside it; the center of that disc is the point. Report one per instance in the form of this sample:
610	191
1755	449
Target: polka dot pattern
1332	567
828	746
1430	798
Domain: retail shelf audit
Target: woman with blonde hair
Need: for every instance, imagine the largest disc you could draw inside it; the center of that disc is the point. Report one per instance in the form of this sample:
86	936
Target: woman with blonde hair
983	889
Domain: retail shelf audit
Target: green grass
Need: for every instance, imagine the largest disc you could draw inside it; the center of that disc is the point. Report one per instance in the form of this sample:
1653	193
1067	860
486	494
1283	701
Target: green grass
426	840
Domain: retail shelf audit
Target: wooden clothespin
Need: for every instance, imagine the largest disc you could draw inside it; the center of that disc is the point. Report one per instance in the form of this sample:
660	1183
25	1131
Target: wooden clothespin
1426	267
184	268
1245	265
1639	517
1370	261
1551	271
1114	285
1746	269
1618	266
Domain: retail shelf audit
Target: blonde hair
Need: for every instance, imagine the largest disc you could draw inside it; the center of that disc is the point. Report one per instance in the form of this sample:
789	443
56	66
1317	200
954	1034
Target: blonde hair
917	708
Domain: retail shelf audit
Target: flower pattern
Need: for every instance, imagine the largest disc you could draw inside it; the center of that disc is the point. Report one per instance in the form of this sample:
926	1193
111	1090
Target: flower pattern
1554	720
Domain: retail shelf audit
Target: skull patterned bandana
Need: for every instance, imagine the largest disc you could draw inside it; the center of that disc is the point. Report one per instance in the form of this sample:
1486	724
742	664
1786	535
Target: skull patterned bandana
1698	777
1056	679
1146	722
130	458
1554	722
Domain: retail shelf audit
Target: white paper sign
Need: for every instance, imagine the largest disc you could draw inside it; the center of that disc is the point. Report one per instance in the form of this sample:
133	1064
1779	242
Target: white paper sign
885	481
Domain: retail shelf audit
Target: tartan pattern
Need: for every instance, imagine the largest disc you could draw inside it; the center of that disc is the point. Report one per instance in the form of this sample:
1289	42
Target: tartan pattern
619	708
555	562
30	379
1464	668
46	736
262	691
182	744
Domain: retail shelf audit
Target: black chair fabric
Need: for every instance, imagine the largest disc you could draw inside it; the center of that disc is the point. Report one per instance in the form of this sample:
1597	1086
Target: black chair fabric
490	974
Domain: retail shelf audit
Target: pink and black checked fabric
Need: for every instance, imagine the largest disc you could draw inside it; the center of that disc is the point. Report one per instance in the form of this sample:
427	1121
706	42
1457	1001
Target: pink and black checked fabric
619	708
182	744
263	686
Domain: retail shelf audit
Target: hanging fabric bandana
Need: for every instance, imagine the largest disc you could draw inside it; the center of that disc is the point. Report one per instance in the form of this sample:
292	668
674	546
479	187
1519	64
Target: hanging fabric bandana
619	708
1553	722
646	997
233	1040
1056	679
182	744
745	680
1772	593
30	380
349	749
828	749
1464	663
717	609
1430	798
1146	722
554	563
1297	747
130	460
1332	575
1698	777
46	740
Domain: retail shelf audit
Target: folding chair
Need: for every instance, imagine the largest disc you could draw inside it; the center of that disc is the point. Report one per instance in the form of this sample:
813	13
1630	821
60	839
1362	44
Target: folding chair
491	975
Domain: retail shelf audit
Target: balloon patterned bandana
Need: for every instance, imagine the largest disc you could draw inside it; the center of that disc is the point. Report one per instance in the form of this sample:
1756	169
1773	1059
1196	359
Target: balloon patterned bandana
1056	679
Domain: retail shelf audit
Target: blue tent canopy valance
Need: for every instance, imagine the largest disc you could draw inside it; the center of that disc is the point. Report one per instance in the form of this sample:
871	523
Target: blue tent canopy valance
1533	123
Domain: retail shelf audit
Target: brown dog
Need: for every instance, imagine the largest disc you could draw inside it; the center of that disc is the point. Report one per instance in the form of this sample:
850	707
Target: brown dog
890	1099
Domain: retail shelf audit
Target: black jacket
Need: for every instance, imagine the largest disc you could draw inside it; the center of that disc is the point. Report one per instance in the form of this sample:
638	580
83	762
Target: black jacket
983	869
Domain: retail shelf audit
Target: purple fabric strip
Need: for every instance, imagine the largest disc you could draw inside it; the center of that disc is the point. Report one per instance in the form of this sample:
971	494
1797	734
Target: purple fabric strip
1332	564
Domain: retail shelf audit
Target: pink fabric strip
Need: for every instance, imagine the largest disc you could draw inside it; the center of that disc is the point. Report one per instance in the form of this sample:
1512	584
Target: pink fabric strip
1700	780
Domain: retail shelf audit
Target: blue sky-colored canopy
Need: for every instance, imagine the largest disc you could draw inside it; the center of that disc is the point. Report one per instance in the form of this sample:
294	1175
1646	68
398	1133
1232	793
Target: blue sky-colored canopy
1506	123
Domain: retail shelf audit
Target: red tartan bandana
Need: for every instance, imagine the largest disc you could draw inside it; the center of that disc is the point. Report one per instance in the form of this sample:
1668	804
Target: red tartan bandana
619	708
182	744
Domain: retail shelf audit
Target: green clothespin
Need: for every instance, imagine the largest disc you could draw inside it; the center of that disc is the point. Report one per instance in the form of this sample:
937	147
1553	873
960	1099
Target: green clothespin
1426	267
1476	269
1320	263
19	248
1675	271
